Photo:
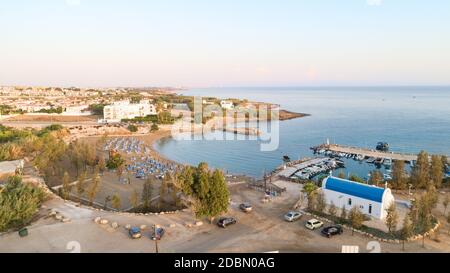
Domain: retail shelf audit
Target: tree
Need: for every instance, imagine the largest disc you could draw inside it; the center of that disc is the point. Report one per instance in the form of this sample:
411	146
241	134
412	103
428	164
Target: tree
376	178
445	203
332	210
356	219
147	193
437	171
93	190
320	203
407	230
119	171
343	213
310	190
101	164
218	198
448	222
420	173
399	180
116	201
341	175
115	160
81	185
66	185
132	128
154	128
134	199
356	178
18	203
391	220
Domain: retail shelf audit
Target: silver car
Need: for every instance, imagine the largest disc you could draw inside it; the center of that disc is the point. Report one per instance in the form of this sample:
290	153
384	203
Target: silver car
293	216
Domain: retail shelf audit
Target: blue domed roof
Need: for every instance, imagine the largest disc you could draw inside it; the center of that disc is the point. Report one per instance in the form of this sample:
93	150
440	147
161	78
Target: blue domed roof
355	189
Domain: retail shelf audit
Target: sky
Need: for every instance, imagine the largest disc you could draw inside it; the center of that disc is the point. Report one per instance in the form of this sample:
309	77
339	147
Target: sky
204	43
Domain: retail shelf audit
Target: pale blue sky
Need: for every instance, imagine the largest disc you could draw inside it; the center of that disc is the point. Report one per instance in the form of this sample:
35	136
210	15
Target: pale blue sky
224	43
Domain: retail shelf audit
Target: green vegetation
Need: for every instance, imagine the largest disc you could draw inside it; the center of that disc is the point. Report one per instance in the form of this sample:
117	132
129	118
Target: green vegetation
9	110
132	128
115	161
18	203
52	110
208	190
97	109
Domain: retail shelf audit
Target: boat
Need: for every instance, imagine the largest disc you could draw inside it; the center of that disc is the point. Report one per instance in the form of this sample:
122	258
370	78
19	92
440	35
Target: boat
360	157
388	162
378	161
286	158
371	160
383	146
387	177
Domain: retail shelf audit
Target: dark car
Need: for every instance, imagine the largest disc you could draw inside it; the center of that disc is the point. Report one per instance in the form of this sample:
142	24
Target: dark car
135	233
224	222
159	234
332	230
246	207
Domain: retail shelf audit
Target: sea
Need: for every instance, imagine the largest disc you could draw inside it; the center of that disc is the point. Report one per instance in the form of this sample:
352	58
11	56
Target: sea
409	118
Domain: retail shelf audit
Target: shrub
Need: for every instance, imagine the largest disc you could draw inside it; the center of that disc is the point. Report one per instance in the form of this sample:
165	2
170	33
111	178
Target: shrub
18	203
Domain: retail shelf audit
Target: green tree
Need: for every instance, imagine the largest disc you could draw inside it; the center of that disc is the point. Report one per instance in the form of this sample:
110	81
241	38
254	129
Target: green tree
115	160
356	178
407	230
399	179
147	193
18	203
116	202
342	175
81	186
134	199
391	220
445	203
356	219
437	171
93	189
132	128
66	185
320	203
101	164
421	171
343	215
217	200
376	178
154	128
332	210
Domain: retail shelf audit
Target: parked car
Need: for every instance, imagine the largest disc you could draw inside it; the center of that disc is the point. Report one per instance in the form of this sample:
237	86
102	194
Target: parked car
246	207
135	233
224	222
332	230
313	224
159	234
293	216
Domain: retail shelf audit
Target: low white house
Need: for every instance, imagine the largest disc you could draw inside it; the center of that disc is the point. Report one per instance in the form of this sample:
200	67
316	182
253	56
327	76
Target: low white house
126	110
372	201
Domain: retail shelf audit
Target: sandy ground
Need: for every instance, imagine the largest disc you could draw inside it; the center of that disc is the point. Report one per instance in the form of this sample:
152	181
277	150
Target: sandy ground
261	231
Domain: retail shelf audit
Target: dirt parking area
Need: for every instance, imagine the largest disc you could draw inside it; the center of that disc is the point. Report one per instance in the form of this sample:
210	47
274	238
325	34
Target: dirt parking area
262	230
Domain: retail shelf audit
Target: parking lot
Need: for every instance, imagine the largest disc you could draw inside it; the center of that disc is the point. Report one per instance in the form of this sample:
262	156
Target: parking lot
262	230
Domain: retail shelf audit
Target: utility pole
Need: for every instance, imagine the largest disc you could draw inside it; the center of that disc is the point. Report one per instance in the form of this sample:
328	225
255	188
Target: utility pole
156	239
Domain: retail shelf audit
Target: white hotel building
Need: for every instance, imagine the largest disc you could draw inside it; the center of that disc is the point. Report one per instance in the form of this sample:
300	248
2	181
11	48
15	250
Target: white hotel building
125	110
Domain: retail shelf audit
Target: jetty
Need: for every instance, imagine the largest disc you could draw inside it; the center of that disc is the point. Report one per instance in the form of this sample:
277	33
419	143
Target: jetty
363	152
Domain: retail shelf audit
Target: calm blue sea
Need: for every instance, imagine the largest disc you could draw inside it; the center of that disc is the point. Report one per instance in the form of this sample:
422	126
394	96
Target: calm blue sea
410	119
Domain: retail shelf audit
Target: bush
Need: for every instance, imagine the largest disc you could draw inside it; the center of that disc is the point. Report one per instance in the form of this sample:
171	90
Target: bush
18	203
115	161
132	128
